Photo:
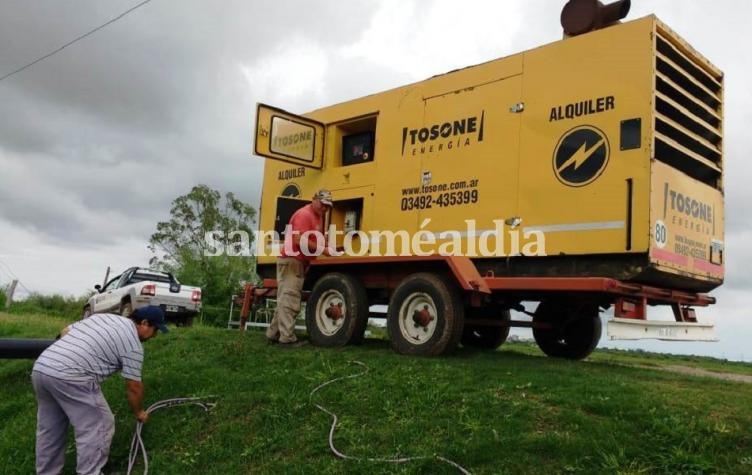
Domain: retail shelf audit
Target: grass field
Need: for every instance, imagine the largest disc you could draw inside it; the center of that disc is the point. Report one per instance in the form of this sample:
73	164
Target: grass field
508	411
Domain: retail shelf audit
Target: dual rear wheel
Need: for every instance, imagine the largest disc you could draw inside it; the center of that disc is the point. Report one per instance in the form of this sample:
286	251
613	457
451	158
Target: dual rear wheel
426	316
337	311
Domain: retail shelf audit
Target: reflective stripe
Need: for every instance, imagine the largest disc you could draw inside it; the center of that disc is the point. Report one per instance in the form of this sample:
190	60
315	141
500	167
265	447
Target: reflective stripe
591	226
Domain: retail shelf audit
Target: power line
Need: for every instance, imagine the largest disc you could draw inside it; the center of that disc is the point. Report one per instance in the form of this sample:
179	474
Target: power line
13	274
25	288
9	270
75	40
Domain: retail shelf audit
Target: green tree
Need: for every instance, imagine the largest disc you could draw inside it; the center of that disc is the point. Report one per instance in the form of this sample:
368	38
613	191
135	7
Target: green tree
181	246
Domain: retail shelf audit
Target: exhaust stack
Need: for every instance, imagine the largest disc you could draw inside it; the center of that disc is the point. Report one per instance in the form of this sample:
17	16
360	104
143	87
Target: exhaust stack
582	16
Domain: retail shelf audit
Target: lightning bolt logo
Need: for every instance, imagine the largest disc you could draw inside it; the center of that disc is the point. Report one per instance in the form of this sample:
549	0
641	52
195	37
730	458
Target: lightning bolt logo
581	155
587	162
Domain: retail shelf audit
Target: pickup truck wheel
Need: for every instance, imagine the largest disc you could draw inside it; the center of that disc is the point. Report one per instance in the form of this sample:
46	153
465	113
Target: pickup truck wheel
425	316
87	312
184	321
126	308
569	329
337	310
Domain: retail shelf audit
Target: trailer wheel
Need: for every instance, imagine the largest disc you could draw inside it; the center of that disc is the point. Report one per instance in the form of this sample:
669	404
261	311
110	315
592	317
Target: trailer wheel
574	328
486	337
425	316
337	311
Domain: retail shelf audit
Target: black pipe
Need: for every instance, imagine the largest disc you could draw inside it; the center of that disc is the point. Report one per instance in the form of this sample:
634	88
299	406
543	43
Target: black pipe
22	348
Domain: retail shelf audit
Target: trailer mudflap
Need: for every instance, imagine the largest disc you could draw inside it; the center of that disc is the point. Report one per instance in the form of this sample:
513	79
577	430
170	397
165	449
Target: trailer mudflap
637	329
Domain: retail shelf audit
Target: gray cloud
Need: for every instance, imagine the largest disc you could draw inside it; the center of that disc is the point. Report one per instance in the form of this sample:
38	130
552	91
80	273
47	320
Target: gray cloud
96	141
111	129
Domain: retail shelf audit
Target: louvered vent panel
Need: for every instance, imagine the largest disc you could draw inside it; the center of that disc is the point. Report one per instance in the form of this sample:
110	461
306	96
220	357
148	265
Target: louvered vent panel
688	113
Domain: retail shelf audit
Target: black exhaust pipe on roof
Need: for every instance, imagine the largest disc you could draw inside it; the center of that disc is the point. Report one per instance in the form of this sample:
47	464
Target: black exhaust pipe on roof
22	348
582	16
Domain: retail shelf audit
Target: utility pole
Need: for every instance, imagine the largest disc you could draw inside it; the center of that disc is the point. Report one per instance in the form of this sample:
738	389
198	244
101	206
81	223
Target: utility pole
9	293
106	276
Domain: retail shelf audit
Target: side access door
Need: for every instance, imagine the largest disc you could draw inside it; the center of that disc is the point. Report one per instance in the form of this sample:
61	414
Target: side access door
291	138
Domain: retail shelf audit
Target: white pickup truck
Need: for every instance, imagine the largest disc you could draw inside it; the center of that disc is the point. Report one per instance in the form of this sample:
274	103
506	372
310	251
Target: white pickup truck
138	287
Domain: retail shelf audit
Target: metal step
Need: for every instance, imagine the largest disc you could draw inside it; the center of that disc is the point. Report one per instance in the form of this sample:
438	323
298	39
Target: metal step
633	329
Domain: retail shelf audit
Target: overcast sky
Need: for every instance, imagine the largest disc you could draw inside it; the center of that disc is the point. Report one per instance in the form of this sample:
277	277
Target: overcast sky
97	140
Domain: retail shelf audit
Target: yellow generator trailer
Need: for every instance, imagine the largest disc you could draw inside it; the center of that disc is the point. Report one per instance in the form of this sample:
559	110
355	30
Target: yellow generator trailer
581	174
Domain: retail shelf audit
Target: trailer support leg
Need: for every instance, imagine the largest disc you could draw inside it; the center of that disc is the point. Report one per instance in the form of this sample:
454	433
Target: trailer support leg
631	307
684	313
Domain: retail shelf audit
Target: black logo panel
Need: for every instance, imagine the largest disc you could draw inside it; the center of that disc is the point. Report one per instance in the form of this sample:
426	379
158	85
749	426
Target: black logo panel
581	156
291	191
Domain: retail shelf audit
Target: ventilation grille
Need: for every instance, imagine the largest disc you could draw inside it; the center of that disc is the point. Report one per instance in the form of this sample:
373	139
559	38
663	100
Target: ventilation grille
688	113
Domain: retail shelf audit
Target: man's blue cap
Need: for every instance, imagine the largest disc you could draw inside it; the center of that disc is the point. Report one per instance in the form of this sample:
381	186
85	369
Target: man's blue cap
152	314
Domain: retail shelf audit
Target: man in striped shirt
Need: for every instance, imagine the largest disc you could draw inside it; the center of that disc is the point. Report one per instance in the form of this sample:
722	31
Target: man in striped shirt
66	379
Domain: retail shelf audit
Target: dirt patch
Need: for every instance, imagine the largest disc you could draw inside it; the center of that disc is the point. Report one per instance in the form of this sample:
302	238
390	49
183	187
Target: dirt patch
744	378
